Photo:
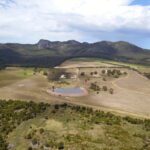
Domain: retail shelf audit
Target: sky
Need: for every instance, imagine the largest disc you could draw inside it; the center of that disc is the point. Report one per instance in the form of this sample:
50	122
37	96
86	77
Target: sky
28	21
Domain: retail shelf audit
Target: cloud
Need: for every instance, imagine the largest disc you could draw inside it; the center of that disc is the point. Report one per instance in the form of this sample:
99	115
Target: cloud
84	20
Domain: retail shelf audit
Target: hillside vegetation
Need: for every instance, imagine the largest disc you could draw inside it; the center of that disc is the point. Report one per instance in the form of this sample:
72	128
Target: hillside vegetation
66	126
46	53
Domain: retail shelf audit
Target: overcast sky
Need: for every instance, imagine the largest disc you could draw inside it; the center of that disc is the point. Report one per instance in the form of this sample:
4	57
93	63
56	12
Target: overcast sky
27	21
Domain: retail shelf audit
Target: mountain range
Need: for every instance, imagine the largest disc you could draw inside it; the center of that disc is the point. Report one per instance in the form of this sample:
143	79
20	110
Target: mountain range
48	54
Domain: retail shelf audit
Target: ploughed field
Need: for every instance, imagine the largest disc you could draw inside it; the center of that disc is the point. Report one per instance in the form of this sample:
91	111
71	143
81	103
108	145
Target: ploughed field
129	94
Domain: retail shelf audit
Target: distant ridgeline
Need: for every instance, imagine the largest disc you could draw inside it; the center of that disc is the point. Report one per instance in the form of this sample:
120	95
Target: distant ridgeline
48	54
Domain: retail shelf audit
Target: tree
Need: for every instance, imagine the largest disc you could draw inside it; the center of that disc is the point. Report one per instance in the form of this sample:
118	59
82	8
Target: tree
82	74
109	72
105	88
118	72
95	72
103	71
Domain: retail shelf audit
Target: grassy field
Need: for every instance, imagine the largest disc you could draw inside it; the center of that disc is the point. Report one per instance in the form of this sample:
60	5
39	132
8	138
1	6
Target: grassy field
79	128
11	75
103	62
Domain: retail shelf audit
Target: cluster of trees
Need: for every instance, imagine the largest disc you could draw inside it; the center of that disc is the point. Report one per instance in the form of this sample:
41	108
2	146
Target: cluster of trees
55	74
91	73
98	116
145	122
97	88
94	73
115	73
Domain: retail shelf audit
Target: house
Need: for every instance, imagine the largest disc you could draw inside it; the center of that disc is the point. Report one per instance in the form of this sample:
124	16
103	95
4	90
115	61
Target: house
63	76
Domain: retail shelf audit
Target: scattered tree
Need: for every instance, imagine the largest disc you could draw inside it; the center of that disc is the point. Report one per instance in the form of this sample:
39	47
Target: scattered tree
82	74
105	88
103	71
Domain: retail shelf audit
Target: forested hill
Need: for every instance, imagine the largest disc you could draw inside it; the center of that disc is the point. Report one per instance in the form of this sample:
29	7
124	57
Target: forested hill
46	53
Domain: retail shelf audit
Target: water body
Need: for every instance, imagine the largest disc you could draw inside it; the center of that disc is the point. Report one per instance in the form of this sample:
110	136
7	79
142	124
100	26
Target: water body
70	91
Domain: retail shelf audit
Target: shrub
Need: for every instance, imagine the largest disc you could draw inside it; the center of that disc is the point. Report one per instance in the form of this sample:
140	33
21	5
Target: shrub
28	136
34	141
30	148
147	124
47	145
56	106
41	130
104	79
61	145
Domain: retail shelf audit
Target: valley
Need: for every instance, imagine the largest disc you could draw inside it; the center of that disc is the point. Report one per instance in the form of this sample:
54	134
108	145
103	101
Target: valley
81	104
115	93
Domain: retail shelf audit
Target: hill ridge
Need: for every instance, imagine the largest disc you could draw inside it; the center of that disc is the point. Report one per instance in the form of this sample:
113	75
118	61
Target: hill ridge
51	53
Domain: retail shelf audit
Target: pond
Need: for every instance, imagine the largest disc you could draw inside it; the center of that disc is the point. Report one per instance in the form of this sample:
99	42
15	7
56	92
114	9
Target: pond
75	91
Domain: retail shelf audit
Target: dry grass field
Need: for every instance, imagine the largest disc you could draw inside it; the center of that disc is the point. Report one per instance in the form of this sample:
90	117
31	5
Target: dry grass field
129	95
84	62
131	92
